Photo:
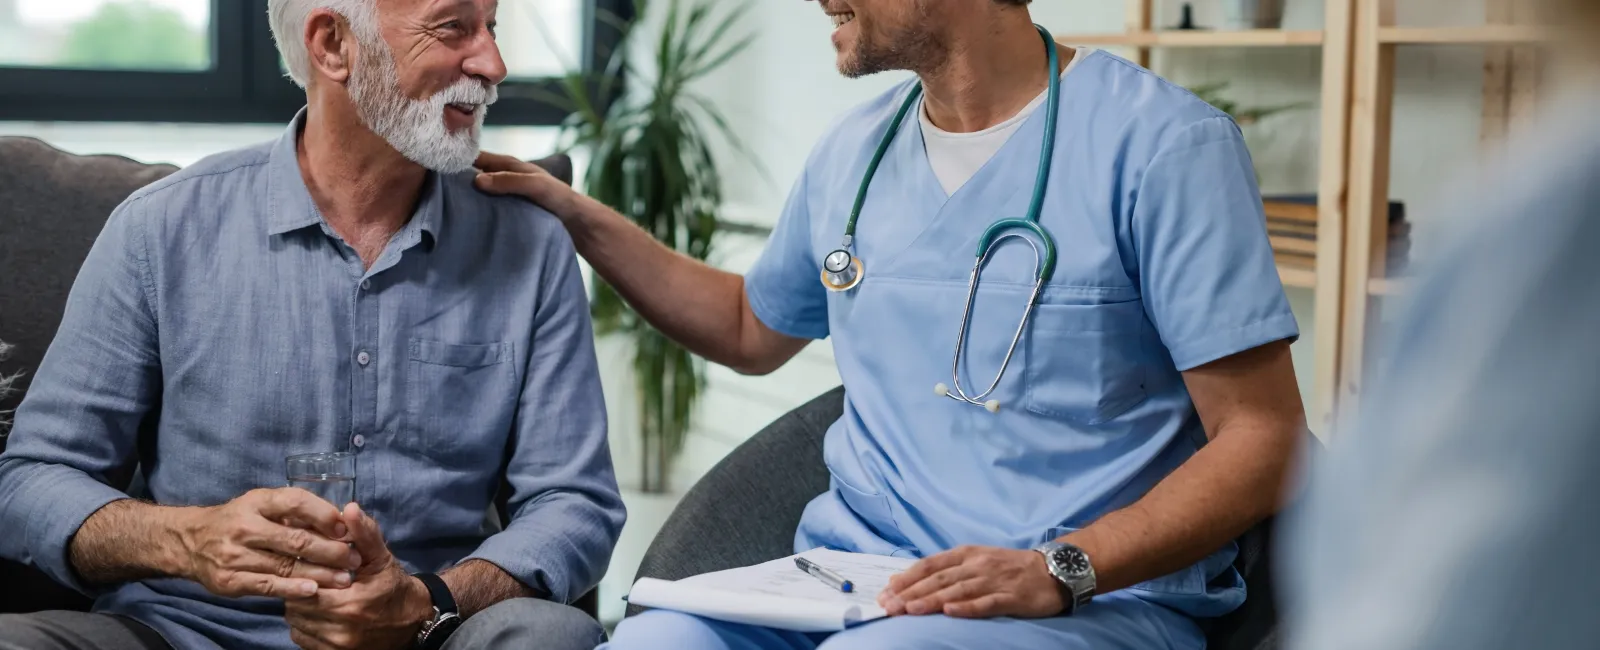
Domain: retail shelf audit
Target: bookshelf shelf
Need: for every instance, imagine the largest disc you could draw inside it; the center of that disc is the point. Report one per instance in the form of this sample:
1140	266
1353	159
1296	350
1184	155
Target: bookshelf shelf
1199	38
1297	277
1483	35
1386	287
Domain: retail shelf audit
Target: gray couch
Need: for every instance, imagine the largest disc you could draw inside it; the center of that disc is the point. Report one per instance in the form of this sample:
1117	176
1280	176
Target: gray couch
53	205
745	510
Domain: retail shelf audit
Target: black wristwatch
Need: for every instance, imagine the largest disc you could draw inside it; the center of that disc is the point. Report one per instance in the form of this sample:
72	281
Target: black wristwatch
446	618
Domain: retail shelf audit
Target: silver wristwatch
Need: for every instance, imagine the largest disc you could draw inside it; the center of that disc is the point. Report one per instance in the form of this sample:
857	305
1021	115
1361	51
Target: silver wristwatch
1072	571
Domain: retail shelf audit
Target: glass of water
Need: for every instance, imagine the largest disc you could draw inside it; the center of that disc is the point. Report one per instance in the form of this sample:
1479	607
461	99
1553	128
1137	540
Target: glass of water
330	475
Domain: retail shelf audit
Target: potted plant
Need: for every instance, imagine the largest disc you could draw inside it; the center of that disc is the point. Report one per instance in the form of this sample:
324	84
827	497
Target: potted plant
648	138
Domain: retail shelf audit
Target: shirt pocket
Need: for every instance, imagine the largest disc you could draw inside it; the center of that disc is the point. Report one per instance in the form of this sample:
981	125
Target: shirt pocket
460	397
1083	361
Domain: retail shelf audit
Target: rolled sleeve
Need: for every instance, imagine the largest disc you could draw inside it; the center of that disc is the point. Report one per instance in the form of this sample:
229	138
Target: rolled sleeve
566	509
1210	283
76	430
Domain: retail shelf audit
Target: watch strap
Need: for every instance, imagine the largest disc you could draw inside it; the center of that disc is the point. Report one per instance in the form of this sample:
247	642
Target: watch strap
439	592
446	617
1076	591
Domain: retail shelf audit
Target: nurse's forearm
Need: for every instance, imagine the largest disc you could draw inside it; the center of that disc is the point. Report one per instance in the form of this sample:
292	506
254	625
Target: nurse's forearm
701	307
1252	411
1219	494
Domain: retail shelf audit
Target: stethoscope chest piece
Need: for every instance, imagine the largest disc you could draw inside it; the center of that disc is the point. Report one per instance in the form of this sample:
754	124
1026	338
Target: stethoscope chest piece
841	271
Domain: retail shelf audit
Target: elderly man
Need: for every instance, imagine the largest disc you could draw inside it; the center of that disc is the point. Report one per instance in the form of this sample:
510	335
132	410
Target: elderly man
344	288
1083	492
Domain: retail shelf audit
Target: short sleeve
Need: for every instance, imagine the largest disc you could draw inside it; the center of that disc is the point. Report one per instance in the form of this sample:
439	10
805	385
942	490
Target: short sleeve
785	287
1206	270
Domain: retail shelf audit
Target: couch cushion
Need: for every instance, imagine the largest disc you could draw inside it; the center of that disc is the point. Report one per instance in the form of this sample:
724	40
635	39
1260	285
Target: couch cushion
52	206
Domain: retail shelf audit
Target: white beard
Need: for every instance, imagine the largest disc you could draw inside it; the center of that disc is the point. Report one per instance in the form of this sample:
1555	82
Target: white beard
416	127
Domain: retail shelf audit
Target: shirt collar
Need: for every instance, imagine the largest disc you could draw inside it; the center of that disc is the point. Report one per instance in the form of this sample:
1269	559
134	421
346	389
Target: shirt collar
292	207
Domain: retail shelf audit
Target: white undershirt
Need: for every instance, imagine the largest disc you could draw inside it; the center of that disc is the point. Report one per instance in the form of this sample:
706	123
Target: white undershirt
956	157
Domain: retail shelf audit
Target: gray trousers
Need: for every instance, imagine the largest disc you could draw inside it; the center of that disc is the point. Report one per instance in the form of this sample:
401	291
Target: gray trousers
520	623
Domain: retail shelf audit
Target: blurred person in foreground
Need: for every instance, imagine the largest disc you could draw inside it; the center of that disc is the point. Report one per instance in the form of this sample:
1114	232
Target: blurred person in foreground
1462	512
343	288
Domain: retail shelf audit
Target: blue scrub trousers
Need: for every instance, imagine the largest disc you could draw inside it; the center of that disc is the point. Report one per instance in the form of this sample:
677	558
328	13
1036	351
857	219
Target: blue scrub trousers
1115	621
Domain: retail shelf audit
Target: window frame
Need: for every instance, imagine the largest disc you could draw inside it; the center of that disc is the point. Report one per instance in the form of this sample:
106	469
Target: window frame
245	85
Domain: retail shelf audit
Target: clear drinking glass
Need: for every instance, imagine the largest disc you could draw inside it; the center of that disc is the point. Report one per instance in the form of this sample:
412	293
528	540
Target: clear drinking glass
330	475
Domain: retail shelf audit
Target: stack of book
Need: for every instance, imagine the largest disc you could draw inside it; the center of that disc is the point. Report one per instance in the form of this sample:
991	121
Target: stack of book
1292	227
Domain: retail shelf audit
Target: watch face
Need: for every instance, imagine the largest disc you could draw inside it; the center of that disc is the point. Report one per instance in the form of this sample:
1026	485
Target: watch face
1072	561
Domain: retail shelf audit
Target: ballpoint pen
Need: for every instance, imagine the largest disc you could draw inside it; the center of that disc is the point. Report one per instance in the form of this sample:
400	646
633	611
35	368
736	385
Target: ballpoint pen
824	574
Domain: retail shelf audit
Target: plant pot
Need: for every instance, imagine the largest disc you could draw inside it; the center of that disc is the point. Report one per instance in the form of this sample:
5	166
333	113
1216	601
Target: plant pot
1252	14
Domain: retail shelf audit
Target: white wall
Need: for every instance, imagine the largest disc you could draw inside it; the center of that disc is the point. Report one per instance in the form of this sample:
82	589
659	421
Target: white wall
785	92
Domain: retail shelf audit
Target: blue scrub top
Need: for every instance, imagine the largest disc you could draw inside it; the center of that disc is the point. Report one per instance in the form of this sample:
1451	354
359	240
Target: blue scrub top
1164	265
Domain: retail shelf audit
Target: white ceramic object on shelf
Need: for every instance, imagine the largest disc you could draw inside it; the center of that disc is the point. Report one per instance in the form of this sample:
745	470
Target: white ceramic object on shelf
1252	14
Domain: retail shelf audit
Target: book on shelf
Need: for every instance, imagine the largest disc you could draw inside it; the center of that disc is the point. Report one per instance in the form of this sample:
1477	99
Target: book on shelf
1303	208
1292	231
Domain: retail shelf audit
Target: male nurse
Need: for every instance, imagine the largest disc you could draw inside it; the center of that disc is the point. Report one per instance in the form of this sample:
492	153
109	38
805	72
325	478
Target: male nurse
1145	419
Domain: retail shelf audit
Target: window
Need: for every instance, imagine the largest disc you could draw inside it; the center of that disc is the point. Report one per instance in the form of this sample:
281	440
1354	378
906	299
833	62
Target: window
215	61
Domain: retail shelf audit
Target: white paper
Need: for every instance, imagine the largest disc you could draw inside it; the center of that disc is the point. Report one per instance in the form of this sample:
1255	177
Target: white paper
778	594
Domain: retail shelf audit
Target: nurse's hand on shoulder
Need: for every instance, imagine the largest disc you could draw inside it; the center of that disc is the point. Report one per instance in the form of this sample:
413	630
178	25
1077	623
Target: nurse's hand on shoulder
975	582
505	175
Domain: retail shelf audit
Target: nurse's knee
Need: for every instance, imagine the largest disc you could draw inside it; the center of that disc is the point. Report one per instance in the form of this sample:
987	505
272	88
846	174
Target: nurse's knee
529	622
895	633
664	630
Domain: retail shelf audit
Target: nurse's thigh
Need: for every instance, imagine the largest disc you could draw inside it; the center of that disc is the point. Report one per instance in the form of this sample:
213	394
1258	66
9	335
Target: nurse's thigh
1112	622
660	629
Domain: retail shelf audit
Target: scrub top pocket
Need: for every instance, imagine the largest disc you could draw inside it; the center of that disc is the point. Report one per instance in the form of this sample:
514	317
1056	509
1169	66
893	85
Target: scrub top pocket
451	386
1083	361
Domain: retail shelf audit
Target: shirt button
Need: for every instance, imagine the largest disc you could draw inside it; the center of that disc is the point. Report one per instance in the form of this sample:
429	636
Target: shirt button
363	359
366	284
358	440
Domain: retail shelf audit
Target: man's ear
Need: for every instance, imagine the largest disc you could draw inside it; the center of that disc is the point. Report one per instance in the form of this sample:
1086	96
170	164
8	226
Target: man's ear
330	45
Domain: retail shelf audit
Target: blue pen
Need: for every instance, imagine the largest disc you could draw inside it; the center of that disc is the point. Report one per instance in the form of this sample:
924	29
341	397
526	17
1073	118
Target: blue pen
824	574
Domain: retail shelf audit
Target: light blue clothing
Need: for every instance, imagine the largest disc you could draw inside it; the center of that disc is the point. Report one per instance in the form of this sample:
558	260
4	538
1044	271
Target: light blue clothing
1117	621
219	325
1462	510
1164	266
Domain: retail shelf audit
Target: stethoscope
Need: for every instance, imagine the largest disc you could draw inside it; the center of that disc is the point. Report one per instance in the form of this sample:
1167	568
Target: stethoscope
842	270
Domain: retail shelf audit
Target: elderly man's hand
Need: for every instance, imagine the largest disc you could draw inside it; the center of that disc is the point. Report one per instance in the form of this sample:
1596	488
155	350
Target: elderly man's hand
268	542
384	608
975	582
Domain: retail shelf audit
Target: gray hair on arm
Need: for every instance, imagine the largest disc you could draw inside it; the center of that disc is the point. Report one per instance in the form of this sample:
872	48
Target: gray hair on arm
5	390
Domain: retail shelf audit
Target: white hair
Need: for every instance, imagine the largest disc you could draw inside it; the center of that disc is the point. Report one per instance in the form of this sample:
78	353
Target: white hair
288	19
414	127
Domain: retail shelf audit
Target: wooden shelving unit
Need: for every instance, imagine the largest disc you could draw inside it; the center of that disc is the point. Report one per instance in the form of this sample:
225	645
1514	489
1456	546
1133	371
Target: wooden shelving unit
1485	35
1200	38
1334	39
1512	58
1359	39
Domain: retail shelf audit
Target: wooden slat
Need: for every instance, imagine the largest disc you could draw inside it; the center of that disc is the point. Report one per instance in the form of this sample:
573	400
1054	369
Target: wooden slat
1332	183
1370	124
1496	78
1297	277
1526	73
1141	19
1483	35
1200	38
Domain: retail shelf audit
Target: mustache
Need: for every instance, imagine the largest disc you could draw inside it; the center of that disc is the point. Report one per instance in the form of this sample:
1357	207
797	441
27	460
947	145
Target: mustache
467	91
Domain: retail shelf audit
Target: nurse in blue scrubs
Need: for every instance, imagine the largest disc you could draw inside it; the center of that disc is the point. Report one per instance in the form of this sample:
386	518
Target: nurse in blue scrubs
1074	480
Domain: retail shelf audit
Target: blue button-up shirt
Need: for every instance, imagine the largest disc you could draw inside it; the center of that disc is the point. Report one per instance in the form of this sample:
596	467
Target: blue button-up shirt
219	325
